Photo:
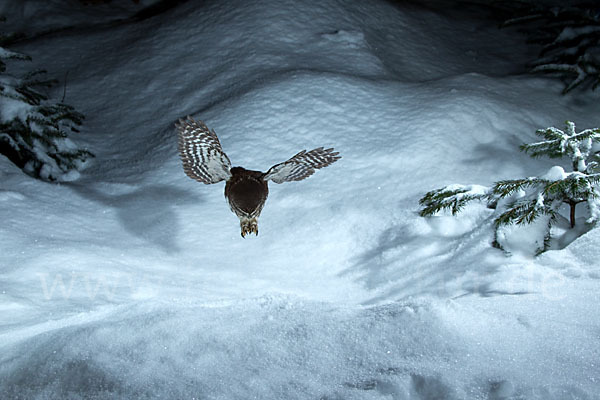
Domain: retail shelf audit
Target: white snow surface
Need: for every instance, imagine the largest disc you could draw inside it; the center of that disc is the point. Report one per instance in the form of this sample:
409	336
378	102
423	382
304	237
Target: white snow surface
556	173
133	282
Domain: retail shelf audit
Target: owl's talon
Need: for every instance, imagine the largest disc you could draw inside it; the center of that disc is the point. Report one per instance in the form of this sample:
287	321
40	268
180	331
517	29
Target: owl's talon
249	226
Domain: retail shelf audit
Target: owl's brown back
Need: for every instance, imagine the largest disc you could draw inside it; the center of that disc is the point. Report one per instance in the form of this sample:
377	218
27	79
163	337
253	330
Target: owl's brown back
246	192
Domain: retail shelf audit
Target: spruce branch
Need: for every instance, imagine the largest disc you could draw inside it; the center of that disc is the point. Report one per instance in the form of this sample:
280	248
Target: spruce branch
523	212
560	143
34	129
570	41
451	198
523	201
506	188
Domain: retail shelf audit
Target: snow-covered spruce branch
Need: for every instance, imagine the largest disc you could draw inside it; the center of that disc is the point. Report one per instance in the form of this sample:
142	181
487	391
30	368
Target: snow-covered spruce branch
568	143
34	129
506	188
570	40
525	212
453	198
523	201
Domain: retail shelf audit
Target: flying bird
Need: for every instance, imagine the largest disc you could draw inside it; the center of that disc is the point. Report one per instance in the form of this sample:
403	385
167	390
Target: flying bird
246	191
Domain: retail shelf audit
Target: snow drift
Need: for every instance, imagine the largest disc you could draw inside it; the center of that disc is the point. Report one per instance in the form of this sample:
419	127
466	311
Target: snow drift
133	282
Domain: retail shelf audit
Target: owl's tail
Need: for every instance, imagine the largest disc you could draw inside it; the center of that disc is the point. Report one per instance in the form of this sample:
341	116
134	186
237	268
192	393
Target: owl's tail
249	225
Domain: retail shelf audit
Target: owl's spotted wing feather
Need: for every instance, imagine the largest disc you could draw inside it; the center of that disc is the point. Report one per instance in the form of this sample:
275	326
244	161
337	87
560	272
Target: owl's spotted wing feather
302	165
201	153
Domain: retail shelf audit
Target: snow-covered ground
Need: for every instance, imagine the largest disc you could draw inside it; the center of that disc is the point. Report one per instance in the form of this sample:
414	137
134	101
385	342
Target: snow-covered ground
133	282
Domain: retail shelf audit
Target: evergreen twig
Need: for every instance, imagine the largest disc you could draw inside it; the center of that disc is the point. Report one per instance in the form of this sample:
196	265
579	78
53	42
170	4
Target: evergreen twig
36	138
527	199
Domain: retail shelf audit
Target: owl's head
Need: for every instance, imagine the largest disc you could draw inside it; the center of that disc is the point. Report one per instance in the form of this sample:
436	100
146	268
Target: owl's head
238	170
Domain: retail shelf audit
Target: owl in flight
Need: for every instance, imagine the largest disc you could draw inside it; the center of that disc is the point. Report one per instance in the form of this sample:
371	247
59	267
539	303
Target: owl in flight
246	191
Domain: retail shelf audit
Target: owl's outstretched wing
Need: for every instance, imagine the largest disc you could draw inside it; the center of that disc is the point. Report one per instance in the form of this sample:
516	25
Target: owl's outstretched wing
302	165
201	153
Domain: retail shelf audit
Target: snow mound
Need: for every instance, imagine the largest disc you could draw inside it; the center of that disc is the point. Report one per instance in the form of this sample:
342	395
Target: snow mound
133	282
555	173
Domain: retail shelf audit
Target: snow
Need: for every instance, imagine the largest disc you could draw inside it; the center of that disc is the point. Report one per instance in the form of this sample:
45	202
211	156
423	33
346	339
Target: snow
11	108
556	173
570	33
470	189
133	281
